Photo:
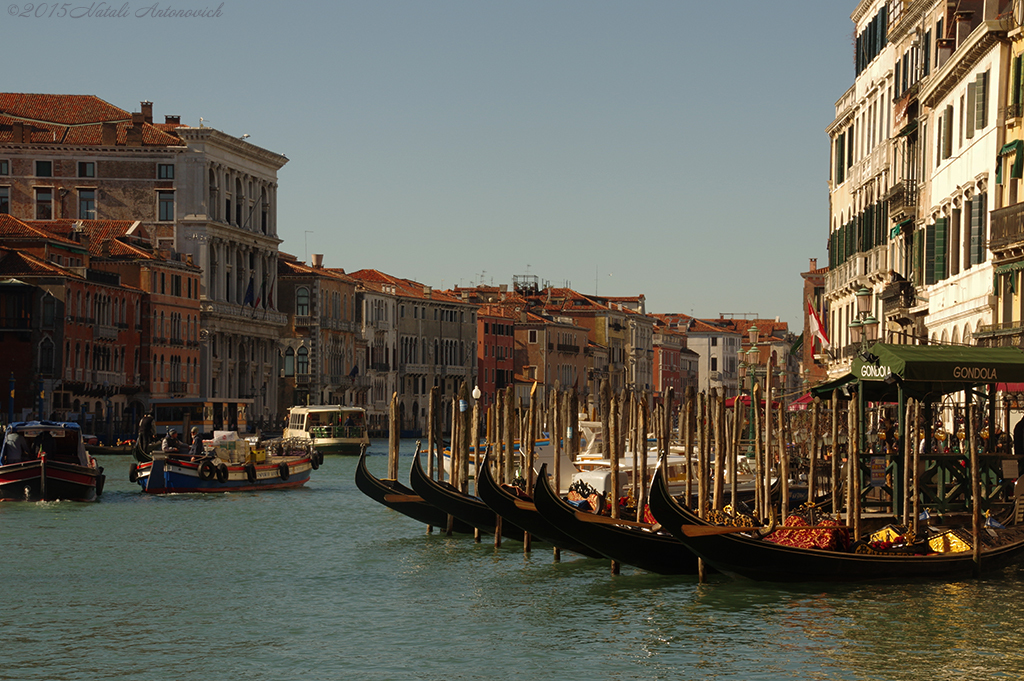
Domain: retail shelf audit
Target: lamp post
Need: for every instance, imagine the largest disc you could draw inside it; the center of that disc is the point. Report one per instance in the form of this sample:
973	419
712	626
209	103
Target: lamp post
748	363
863	332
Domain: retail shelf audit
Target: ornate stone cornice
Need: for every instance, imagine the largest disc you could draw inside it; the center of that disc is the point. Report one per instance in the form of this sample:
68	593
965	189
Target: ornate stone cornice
962	61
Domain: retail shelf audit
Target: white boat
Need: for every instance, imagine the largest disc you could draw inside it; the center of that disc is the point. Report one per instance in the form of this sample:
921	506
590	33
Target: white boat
332	429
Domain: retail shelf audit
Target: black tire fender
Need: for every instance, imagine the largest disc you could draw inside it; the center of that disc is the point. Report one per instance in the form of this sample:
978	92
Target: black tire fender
206	470
250	472
222	473
283	470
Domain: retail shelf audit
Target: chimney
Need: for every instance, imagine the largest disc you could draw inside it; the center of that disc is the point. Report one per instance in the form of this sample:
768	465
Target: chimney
990	10
318	260
18	132
963	27
172	120
147	111
427	291
109	134
814	264
944	48
133	138
138	118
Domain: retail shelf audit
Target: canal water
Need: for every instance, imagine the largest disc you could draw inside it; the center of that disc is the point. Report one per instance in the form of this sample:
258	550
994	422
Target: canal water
323	583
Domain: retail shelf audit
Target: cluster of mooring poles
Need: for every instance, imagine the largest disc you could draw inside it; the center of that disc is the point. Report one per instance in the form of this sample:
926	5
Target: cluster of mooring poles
858	457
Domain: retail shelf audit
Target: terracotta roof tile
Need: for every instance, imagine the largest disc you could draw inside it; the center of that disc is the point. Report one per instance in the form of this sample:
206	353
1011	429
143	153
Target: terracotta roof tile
17	264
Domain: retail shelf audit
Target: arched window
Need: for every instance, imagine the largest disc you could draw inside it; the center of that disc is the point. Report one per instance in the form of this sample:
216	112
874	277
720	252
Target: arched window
289	362
46	356
302	301
302	361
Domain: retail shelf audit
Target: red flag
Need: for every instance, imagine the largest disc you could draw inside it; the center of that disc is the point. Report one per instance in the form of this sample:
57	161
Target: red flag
817	328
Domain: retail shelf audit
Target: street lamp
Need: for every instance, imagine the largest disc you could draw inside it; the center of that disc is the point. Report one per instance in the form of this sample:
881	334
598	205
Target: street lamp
864	329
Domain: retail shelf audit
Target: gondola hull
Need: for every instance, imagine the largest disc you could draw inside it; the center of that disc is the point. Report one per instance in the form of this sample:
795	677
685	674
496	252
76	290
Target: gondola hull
639	546
754	558
398	497
523	513
468	509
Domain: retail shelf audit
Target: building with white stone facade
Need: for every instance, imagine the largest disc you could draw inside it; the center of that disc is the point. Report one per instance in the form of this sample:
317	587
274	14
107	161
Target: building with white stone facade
915	143
227	203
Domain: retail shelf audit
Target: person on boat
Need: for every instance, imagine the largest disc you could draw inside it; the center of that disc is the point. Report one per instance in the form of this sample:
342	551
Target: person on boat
15	449
44	443
171	443
196	450
147	432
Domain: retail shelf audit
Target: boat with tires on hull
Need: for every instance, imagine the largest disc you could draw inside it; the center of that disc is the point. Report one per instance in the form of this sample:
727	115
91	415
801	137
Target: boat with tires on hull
47	461
331	428
283	465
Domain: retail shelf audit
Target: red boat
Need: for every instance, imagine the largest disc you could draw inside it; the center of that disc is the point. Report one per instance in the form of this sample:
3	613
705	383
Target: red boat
47	461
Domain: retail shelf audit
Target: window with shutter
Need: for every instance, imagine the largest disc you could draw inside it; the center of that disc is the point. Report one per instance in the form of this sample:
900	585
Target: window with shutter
981	99
929	254
940	249
971	109
918	257
976	229
954	243
947	132
966	231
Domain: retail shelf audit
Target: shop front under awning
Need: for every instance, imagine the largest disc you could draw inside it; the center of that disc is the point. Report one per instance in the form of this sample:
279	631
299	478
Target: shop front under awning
925	371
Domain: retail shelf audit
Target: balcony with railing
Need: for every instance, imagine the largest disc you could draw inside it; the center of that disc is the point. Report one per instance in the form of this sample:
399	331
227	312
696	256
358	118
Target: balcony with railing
178	387
1007	227
572	349
304	320
903	200
303	379
897	296
102	332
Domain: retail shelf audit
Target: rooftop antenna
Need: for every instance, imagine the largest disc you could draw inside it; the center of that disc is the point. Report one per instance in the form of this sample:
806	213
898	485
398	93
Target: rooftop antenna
308	232
201	121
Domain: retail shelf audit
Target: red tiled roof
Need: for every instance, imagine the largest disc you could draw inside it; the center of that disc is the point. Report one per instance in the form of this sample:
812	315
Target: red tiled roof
17	264
74	119
60	109
13	228
403	287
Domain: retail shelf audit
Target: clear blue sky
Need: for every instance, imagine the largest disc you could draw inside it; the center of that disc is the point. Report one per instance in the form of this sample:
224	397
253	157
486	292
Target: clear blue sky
674	149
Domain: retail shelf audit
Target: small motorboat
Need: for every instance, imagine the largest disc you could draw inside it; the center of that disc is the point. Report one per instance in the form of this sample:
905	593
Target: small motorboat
47	461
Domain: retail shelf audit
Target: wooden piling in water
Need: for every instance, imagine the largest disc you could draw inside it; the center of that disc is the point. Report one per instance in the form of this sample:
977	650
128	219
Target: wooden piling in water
912	460
760	505
783	461
687	426
557	432
836	482
394	431
975	485
702	455
812	463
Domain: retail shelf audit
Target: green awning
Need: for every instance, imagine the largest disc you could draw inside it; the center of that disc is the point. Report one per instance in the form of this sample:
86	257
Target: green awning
1010	267
1017	170
895	232
938	369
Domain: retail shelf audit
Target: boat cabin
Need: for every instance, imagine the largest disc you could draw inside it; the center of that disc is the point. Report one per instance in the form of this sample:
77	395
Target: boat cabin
59	441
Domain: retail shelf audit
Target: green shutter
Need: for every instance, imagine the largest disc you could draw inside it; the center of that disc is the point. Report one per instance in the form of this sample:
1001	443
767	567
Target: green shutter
940	249
981	99
971	106
929	254
976	227
1015	85
917	256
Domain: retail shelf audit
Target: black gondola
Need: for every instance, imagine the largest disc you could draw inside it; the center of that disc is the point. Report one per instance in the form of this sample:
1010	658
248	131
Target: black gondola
628	542
470	510
754	558
523	514
398	497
